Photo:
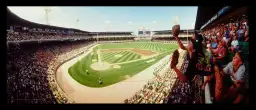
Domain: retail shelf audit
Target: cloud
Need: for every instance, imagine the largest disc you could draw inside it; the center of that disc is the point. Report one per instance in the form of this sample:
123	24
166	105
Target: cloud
107	22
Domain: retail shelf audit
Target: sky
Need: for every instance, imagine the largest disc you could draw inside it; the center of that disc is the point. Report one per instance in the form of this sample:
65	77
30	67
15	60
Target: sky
101	19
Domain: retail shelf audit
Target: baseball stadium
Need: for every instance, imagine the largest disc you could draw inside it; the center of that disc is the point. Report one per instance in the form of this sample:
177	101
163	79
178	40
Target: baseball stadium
48	64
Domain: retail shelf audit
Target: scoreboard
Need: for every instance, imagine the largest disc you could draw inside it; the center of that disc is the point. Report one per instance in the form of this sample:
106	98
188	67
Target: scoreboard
140	32
144	32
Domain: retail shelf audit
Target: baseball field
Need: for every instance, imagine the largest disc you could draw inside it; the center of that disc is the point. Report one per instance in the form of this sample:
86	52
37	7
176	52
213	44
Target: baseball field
112	63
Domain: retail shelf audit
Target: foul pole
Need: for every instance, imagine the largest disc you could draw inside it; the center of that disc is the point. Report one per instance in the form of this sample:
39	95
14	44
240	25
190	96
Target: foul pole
98	50
47	10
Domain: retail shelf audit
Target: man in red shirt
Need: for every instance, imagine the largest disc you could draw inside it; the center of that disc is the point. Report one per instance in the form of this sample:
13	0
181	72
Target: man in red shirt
219	54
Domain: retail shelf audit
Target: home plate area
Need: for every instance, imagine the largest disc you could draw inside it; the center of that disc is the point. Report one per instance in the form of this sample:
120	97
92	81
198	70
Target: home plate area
100	66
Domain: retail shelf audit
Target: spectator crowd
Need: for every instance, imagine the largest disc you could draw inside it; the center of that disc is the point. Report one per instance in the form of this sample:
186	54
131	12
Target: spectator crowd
31	71
185	93
23	36
229	45
164	88
45	35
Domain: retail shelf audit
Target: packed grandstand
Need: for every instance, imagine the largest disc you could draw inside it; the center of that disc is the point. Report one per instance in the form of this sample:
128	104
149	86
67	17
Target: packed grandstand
36	51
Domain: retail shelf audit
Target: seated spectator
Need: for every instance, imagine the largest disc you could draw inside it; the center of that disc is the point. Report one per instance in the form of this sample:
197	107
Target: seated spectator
244	21
244	45
226	38
240	33
235	89
214	43
246	35
234	45
219	54
219	37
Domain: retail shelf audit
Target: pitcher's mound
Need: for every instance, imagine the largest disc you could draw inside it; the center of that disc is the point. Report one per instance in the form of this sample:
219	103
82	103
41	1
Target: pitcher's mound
116	66
100	66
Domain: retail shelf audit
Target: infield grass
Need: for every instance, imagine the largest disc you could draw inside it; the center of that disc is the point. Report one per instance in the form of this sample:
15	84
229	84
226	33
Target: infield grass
115	75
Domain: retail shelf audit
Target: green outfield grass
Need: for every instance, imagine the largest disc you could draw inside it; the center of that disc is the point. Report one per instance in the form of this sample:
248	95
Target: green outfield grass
125	56
115	75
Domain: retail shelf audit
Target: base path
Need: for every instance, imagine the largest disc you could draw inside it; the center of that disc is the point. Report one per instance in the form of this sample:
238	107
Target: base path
115	93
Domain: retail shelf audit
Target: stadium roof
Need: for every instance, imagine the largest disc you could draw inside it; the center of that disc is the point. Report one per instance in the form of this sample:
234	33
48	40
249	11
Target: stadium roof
164	31
13	19
111	32
204	14
227	15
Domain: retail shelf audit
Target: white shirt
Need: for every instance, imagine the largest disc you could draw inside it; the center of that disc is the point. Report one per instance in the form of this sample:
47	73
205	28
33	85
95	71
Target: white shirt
234	43
240	74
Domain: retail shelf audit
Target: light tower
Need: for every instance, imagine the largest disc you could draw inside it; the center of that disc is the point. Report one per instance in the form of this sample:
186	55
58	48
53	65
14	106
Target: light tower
192	27
153	28
77	20
107	25
176	21
47	10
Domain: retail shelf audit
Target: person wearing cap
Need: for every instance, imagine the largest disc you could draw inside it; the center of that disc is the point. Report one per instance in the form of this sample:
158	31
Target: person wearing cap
236	82
198	60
